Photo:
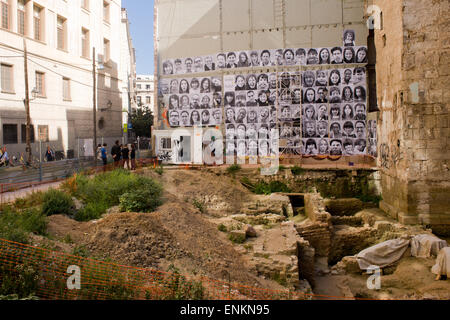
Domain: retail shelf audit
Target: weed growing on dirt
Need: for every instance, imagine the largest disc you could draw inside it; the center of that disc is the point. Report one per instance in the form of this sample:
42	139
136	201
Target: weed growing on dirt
81	251
56	202
262	187
236	238
200	205
119	187
178	287
159	170
15	226
296	171
282	168
222	228
233	169
32	200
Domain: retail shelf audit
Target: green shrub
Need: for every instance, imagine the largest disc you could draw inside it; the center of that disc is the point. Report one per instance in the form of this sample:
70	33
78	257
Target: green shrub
141	200
56	202
91	211
237	238
180	288
262	187
222	228
233	169
81	251
32	200
119	187
15	226
200	205
22	280
159	170
281	168
296	171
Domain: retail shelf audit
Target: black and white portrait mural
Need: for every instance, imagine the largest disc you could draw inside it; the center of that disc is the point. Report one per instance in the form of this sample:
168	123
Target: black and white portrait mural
315	97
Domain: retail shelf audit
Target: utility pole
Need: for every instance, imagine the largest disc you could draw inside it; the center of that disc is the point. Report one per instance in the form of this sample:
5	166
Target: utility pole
27	101
94	110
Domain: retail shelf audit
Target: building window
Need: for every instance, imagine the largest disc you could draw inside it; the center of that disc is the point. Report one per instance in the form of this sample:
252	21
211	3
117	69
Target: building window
106	50
21	17
37	22
106	11
40	83
61	33
5	14
148	87
139	100
66	89
85	43
9	133
85	4
166	143
24	133
43	133
139	86
7	78
148	100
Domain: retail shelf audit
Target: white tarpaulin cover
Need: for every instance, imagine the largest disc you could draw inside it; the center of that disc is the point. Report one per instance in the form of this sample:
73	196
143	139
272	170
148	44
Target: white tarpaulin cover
442	266
425	245
382	254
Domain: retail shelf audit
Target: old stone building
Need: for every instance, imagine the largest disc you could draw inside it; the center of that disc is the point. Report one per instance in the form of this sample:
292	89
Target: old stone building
412	45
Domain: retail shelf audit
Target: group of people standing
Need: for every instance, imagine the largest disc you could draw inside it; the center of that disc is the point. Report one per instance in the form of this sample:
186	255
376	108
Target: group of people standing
123	155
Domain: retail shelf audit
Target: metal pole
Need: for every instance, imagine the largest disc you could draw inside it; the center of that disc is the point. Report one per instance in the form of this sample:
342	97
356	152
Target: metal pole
139	147
94	104
40	160
27	101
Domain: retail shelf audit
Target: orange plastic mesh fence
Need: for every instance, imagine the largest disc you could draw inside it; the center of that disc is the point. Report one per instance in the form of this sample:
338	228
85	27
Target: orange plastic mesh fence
45	272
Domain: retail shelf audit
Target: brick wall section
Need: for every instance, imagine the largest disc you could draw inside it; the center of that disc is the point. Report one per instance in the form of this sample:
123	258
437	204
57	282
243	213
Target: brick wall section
413	77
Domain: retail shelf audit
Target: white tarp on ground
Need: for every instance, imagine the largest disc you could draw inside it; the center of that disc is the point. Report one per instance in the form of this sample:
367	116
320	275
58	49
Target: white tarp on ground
382	254
442	266
425	245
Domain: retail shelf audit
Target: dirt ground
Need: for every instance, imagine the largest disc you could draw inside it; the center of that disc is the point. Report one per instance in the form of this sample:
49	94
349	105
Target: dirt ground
179	233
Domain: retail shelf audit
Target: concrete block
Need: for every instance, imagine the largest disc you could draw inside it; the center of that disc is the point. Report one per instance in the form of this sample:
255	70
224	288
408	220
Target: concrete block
408	219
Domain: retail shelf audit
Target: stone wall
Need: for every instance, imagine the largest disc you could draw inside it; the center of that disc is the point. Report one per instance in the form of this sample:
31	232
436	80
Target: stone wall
413	76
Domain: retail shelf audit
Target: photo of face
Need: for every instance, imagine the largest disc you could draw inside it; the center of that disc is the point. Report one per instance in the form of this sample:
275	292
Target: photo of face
251	99
360	94
167	67
272	81
285	130
361	55
242	148
230	116
173	102
174	118
322	95
262	98
349	55
335	95
185	102
313	57
240	83
265	58
348	147
179	66
335	130
243	60
205	117
335	112
221	61
198	65
254	58
324	56
263	132
216	84
263	82
241	115
263	148
321	78
360	128
252	133
300	57
185	119
349	38
195	85
323	146
231	148
285	112
349	130
188	65
229	99
279	57
217	116
310	147
309	112
347	94
289	57
195	101
336	55
322	129
209	64
195	118
308	79
335	148
184	86
309	96
217	99
347	112
347	76
309	129
231	60
360	112
335	78
241	131
252	116
251	82
360	146
174	86
205	102
359	76
322	112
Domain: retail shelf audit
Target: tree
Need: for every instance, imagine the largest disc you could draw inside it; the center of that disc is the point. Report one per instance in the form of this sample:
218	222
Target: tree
142	121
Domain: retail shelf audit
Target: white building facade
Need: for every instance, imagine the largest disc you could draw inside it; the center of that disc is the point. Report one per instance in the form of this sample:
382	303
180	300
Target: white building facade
145	89
60	36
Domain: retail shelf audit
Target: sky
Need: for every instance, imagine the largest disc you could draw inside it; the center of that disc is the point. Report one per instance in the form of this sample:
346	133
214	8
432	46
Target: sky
140	15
